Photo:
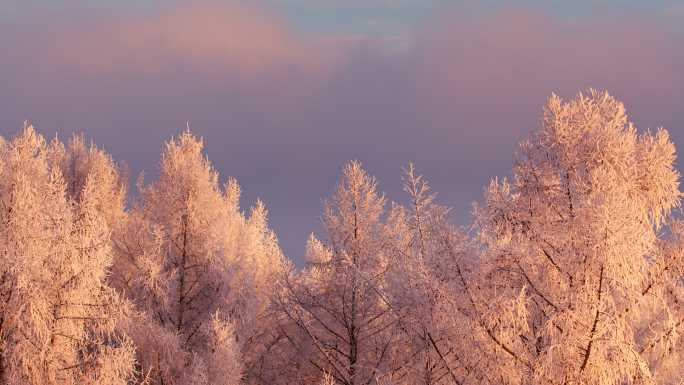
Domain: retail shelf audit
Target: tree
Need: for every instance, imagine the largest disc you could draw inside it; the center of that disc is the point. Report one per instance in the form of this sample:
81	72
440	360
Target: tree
78	162
57	316
568	289
338	305
424	286
662	345
572	273
200	269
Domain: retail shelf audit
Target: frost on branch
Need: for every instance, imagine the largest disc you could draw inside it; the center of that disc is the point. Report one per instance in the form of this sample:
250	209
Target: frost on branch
58	317
578	230
336	312
198	268
571	273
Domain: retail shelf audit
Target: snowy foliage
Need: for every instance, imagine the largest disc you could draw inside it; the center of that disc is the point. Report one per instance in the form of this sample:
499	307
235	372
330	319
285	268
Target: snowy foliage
572	271
197	267
57	316
568	288
338	305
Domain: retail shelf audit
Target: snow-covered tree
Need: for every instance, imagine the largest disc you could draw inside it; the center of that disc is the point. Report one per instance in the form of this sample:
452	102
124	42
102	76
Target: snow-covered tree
199	268
425	288
57	316
338	305
78	162
662	344
572	273
569	288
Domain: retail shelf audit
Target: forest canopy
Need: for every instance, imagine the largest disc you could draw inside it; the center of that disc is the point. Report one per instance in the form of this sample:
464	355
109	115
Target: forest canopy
571	270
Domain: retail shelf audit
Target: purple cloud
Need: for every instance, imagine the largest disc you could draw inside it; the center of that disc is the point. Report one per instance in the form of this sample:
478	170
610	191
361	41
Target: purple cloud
283	110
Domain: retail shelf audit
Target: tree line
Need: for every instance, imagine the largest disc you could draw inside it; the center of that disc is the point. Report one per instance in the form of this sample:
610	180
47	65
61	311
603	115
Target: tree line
571	272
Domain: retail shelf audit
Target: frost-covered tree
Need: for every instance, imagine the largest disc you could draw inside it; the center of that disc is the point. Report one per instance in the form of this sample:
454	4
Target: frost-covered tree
424	286
574	273
78	162
199	268
343	325
57	317
662	344
570	287
261	266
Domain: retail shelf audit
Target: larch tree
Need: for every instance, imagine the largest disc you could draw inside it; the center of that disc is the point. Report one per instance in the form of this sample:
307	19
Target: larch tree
178	273
57	316
201	269
661	342
338	304
78	162
567	289
424	286
260	265
572	272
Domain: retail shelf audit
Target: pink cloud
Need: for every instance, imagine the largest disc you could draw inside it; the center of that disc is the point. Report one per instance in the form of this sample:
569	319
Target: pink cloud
281	109
455	71
216	38
249	49
490	69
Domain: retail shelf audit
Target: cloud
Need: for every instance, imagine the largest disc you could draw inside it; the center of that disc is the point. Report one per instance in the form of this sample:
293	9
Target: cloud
232	44
231	56
283	109
492	71
236	38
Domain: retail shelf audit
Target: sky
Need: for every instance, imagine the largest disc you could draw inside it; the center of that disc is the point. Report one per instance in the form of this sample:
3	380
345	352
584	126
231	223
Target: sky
285	92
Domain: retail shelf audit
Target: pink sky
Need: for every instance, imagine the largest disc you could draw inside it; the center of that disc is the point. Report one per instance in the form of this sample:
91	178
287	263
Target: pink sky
282	109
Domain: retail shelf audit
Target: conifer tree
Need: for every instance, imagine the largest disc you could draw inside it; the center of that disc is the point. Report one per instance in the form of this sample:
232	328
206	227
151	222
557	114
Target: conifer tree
200	268
571	242
57	316
424	286
339	304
